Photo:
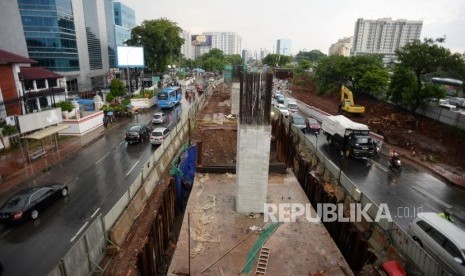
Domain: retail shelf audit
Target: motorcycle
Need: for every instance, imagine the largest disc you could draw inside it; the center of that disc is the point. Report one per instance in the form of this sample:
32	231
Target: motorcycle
395	165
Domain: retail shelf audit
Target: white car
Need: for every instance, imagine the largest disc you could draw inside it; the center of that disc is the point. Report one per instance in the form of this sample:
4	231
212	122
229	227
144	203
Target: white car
158	135
159	118
283	109
441	238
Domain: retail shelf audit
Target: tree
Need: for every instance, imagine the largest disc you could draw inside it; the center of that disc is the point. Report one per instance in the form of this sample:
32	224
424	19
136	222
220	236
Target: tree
161	41
312	56
117	88
360	66
402	85
331	73
275	60
426	58
234	59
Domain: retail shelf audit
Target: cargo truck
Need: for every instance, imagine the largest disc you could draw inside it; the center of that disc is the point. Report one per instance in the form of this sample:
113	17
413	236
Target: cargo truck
351	138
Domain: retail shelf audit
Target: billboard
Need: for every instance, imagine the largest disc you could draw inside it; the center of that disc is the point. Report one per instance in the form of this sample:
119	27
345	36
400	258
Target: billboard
130	56
201	40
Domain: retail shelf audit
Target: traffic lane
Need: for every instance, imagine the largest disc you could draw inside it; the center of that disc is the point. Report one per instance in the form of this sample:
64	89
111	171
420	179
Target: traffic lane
96	179
406	191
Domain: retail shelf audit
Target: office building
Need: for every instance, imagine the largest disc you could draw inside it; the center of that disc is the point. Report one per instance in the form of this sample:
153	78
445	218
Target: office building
384	36
342	47
284	47
125	21
74	38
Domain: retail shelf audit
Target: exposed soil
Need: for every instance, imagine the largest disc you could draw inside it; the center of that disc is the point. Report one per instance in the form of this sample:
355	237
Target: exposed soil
421	136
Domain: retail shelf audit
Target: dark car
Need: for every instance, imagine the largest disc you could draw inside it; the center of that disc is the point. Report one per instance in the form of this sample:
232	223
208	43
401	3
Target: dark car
280	99
312	125
137	134
28	202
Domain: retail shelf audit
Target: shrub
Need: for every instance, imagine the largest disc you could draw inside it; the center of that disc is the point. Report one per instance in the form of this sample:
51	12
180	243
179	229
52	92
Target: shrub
8	130
65	106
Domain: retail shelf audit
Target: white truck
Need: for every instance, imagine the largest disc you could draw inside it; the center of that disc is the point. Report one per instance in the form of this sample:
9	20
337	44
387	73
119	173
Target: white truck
353	139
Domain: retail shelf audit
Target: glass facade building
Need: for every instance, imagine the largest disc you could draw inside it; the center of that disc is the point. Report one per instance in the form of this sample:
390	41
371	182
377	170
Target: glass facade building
50	33
125	20
92	34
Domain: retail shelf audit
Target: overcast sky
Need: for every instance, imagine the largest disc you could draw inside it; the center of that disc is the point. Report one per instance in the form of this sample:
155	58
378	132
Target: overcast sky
309	24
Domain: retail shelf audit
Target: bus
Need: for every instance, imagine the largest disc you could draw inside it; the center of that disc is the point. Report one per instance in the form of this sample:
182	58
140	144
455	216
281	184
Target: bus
453	87
169	97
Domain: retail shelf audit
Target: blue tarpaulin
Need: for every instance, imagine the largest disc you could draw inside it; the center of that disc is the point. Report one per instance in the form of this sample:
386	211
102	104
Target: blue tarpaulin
185	173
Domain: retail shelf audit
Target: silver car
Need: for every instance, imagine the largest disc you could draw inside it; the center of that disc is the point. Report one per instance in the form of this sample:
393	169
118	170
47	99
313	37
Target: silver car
298	122
159	135
159	118
442	239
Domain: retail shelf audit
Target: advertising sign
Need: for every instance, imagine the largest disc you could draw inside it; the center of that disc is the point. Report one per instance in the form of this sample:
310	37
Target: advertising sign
201	40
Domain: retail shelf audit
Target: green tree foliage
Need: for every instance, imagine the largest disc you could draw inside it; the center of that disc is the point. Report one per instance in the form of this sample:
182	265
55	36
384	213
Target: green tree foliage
161	41
117	88
234	59
331	73
402	85
365	73
425	59
65	106
313	56
275	60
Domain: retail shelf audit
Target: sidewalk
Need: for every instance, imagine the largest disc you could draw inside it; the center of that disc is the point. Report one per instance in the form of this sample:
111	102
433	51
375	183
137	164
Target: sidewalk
15	170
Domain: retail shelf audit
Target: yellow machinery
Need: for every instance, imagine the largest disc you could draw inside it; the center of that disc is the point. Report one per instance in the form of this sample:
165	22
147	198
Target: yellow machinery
347	103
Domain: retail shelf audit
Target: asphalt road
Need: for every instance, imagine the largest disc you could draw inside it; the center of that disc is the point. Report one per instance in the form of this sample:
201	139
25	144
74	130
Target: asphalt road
97	176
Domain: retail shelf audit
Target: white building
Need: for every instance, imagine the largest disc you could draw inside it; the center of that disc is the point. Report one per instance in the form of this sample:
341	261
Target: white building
187	50
284	47
342	47
384	36
229	43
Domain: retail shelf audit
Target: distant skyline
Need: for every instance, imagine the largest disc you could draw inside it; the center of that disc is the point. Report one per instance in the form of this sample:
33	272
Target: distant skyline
309	24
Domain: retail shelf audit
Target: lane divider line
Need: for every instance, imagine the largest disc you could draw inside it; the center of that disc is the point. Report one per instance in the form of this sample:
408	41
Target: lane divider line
78	232
132	168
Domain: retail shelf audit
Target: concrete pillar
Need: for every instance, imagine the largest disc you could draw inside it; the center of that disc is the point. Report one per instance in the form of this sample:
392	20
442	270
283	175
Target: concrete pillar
252	164
235	98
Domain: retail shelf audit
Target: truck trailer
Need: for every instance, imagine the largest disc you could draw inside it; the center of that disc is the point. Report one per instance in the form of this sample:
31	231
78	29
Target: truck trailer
351	138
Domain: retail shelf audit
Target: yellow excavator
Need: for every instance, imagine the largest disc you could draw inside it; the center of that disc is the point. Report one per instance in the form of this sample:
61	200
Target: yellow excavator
347	103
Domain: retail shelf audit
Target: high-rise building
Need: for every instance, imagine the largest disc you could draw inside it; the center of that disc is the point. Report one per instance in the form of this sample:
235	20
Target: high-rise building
72	37
229	43
384	36
284	47
125	21
342	47
187	49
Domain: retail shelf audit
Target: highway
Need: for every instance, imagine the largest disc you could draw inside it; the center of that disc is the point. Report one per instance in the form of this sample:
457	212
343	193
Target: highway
100	173
97	176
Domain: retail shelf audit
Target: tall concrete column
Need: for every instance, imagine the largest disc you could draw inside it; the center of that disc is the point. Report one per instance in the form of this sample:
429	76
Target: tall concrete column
235	97
252	164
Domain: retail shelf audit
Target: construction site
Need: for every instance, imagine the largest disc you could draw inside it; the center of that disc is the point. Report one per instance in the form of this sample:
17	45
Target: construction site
246	157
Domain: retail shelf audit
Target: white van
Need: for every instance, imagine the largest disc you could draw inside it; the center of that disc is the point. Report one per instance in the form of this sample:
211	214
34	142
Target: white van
442	239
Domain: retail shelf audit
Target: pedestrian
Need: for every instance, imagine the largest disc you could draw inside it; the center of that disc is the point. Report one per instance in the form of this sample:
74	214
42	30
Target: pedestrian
105	121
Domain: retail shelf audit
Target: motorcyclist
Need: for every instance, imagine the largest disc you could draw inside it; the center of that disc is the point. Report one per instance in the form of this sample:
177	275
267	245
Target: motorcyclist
394	159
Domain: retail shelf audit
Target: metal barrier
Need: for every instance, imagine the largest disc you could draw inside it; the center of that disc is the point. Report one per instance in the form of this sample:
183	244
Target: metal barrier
87	252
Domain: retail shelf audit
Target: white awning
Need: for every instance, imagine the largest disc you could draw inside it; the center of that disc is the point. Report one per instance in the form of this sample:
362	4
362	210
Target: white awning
41	134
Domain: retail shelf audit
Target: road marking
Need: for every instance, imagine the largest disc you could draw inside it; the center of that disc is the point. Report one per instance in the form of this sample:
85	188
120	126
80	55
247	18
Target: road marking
78	232
132	168
98	161
96	211
6	233
122	142
427	194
